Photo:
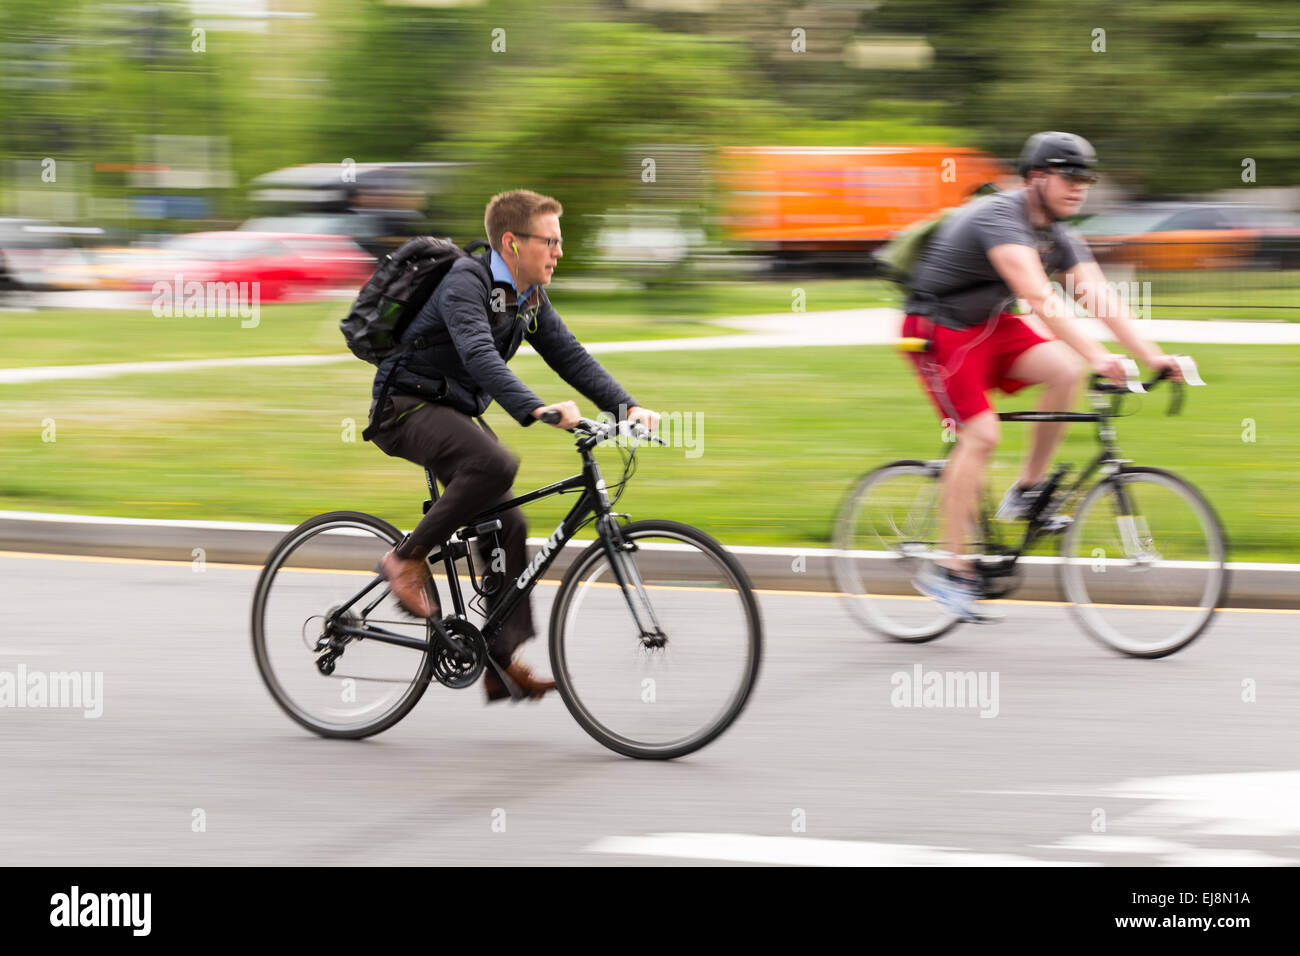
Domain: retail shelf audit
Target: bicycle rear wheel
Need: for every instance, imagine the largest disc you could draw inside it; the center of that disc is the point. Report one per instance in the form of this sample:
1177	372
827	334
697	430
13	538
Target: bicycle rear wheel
321	576
1144	563
886	530
656	652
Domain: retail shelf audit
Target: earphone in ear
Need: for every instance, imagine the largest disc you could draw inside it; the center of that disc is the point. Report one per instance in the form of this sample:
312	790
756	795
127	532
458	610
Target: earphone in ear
515	246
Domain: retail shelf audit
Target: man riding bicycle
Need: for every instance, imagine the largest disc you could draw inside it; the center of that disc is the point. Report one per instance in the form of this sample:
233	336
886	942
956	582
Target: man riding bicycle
473	325
981	259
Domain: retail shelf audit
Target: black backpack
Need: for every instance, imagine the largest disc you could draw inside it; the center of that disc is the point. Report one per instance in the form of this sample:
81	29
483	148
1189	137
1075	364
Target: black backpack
393	297
396	293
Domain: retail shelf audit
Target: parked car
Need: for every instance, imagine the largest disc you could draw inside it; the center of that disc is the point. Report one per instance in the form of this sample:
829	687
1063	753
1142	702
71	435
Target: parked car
288	266
376	234
1194	236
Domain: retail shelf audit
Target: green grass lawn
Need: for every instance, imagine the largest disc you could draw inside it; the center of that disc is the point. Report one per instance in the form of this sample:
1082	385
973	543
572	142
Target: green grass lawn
784	433
62	337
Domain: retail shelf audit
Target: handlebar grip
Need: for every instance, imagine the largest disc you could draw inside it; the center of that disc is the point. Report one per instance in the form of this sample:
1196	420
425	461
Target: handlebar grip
549	418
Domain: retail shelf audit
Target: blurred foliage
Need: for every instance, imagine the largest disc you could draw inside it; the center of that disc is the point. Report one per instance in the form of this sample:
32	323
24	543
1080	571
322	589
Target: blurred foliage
575	94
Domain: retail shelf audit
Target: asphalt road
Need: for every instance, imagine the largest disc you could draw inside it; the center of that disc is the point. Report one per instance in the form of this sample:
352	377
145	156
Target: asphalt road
1085	758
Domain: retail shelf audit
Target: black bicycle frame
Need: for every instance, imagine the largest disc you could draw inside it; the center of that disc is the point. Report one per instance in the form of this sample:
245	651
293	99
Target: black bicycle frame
594	500
1109	455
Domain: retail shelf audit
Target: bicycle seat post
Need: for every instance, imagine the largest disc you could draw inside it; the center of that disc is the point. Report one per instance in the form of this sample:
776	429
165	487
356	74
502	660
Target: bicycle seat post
433	489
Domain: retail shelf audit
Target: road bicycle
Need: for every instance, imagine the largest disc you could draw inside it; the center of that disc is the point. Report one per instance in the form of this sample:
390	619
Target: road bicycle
655	633
1142	553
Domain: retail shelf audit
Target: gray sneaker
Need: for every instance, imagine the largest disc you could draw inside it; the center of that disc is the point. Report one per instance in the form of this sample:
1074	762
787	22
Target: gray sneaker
957	594
1018	502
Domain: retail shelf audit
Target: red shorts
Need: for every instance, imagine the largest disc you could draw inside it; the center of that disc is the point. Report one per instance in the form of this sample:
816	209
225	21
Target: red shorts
962	366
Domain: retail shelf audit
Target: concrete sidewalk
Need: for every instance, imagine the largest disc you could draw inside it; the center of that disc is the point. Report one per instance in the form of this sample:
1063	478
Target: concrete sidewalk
850	327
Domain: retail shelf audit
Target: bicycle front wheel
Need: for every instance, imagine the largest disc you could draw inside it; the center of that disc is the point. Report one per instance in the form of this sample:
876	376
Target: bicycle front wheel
886	530
1143	564
319	580
655	649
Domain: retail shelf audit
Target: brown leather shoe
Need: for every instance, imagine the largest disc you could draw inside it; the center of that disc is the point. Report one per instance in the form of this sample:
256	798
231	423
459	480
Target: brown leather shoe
409	579
532	686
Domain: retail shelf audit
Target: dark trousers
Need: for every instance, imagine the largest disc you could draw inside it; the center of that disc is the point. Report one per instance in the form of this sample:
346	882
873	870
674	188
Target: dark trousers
476	472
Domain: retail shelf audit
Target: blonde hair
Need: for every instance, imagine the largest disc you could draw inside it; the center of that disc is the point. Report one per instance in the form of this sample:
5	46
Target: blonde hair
514	211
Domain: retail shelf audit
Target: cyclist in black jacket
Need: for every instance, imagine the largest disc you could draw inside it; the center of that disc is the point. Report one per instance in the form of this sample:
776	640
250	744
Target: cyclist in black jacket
473	325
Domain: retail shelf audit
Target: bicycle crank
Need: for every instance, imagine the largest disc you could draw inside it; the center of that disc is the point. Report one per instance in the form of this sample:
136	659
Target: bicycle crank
461	664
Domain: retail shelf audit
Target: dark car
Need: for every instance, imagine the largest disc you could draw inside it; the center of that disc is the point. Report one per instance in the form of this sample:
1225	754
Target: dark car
37	255
391	202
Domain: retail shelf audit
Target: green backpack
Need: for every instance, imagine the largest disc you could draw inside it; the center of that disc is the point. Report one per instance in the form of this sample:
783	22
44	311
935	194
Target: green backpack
898	258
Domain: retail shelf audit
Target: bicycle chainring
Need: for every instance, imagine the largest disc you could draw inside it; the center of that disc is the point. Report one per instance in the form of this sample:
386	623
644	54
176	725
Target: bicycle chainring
462	669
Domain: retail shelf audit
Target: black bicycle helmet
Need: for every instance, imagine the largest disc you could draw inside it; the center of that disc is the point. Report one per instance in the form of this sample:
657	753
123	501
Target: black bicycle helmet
1067	152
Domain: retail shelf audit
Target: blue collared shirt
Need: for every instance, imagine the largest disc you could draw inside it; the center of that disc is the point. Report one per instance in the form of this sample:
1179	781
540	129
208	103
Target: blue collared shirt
501	273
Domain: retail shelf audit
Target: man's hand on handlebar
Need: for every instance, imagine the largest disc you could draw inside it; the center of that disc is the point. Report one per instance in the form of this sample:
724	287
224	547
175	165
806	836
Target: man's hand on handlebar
1110	366
1166	363
568	412
643	416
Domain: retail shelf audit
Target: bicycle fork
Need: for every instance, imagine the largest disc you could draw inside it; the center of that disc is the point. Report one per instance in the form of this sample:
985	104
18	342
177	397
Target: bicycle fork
634	590
1134	534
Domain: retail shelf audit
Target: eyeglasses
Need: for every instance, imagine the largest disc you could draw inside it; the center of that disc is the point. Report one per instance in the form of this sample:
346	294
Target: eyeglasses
551	241
1075	179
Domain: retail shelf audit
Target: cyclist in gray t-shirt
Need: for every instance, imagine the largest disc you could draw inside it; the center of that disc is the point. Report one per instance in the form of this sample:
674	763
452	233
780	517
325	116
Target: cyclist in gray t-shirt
956	284
997	250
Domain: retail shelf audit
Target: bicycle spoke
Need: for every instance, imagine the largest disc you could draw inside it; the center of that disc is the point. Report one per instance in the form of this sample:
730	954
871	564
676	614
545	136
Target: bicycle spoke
668	689
307	614
1144	563
887	529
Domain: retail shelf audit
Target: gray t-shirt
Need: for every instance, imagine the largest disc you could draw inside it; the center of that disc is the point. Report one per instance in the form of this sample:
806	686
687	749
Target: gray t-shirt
955	284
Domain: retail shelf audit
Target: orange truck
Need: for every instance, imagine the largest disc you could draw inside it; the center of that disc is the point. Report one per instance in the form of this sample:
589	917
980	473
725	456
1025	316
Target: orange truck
809	200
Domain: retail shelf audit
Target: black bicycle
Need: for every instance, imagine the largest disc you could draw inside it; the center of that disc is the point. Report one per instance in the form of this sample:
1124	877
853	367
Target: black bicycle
655	633
1143	555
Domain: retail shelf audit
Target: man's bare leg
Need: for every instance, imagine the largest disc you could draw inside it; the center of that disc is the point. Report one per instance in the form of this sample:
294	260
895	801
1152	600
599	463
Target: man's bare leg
1054	365
963	479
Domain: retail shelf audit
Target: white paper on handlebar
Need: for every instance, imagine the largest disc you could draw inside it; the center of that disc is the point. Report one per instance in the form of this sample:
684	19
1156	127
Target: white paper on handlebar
1132	375
1188	367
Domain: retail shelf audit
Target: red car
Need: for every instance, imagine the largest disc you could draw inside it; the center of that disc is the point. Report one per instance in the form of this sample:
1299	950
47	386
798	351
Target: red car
289	267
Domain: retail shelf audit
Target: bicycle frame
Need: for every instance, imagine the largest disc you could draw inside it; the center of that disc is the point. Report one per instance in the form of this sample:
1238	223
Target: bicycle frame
594	500
1107	462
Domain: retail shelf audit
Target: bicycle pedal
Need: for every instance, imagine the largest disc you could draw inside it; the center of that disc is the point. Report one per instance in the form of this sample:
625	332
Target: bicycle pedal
1057	523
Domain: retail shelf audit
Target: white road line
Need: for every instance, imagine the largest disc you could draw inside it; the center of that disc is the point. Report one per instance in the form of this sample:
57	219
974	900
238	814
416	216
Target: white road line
805	851
1114	843
1180	813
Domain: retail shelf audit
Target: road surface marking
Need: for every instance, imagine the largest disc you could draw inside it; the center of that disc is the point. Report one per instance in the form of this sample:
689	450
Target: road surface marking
806	851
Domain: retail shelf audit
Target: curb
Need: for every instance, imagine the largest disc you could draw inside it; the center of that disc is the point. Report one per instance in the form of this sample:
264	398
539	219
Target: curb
778	569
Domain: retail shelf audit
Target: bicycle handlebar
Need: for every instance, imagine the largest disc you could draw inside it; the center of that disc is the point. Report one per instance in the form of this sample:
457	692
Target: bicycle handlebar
1133	377
603	431
1133	381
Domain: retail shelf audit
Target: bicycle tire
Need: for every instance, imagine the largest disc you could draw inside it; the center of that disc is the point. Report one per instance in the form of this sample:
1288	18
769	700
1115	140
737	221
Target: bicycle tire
580	586
1075	581
291	543
886	608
